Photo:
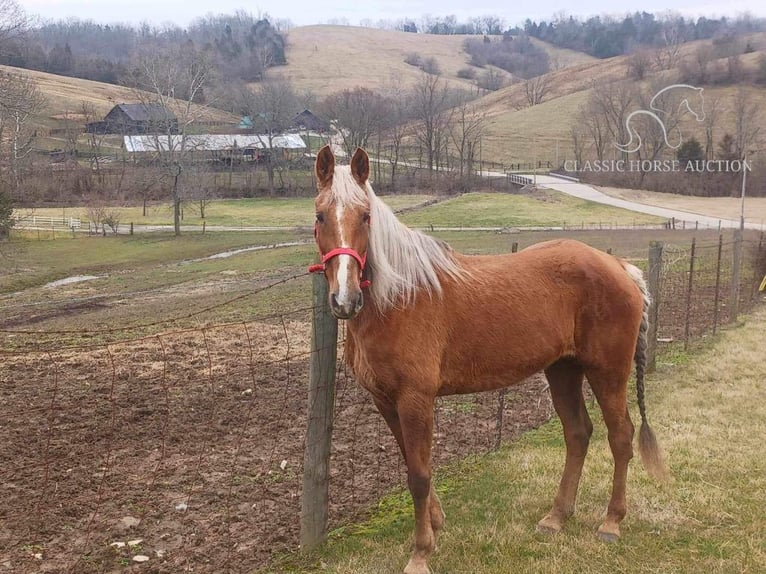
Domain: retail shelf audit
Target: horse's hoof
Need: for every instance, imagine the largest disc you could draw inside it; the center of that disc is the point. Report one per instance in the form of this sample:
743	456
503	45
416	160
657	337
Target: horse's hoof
417	567
549	525
608	535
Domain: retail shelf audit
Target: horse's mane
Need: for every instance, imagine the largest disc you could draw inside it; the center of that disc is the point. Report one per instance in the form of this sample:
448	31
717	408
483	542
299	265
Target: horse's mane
400	260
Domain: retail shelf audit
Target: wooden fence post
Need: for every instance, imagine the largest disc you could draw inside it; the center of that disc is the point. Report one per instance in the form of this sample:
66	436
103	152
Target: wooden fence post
321	404
736	269
653	284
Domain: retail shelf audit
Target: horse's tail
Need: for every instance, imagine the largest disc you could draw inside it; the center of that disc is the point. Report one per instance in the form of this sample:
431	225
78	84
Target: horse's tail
650	451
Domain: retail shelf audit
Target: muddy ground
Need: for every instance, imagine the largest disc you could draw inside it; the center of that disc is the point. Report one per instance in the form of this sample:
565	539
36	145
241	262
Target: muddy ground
191	443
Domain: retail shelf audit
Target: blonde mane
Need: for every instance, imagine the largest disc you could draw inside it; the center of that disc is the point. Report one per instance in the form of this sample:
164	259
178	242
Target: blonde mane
400	260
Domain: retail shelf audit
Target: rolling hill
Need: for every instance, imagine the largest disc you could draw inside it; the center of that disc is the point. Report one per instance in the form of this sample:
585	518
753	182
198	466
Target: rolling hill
64	97
516	133
326	59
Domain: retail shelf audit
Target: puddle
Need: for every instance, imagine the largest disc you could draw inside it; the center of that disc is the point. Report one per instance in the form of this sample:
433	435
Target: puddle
73	279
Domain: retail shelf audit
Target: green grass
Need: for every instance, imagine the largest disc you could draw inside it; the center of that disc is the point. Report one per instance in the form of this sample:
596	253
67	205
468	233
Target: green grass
30	263
506	210
709	412
263	212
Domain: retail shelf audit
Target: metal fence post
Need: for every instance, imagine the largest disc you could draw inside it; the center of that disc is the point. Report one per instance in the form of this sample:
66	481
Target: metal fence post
687	316
717	284
321	404
736	268
653	284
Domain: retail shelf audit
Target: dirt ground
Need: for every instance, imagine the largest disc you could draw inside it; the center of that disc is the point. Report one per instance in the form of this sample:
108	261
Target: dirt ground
187	448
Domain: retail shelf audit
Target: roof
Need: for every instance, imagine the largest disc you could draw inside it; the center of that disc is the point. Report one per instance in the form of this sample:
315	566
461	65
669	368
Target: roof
146	112
210	142
309	120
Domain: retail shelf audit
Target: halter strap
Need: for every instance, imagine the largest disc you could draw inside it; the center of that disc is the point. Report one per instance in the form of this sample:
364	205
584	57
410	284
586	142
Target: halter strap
361	259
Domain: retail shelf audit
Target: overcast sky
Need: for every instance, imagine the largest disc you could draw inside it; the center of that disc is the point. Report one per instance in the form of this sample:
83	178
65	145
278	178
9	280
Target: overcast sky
303	12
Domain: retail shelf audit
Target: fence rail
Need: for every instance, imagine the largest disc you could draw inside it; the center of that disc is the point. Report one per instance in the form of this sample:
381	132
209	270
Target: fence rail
45	222
195	440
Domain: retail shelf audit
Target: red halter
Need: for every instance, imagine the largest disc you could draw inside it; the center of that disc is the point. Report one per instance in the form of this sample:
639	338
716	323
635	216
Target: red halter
361	259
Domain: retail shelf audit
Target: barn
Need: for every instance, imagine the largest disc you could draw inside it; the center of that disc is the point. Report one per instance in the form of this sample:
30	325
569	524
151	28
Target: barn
309	121
141	118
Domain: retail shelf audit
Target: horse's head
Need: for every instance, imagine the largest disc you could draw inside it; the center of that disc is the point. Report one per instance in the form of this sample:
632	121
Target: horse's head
695	103
342	228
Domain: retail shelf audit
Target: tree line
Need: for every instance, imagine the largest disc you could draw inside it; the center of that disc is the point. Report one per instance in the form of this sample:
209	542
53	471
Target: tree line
241	46
608	36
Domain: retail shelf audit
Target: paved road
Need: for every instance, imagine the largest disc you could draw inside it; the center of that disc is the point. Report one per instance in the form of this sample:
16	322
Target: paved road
584	191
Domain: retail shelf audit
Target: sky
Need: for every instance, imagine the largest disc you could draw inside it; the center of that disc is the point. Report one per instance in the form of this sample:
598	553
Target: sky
305	12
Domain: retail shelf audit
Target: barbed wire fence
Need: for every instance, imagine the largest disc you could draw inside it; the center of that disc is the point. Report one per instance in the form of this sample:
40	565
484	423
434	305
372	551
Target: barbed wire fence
186	448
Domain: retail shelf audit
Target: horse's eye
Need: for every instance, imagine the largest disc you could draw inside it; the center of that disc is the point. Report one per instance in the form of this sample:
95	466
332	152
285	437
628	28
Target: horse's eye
320	218
366	218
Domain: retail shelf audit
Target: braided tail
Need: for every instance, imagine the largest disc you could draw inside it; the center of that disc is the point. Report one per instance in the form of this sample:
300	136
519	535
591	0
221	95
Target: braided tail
650	451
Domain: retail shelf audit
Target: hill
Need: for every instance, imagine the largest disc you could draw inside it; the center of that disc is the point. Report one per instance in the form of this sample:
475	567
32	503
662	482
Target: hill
326	59
64	97
518	133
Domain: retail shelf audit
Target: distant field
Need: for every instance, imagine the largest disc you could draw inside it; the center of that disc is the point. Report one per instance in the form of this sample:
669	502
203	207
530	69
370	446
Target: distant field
510	210
724	207
325	59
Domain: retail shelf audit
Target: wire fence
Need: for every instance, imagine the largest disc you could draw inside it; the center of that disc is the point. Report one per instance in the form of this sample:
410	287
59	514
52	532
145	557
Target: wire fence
185	449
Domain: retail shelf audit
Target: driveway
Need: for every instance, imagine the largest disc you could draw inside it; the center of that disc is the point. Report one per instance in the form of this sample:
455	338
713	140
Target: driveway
584	191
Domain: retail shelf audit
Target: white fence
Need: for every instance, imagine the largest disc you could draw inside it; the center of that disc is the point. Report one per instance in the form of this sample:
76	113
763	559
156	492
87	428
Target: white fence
45	222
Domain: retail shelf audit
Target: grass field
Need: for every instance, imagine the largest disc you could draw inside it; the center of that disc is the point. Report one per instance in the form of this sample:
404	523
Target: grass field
504	210
709	415
469	210
227	212
326	59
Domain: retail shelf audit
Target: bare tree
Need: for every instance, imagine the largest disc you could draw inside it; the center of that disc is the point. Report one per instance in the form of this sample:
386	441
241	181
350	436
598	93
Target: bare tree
639	64
667	56
431	101
613	101
13	20
397	126
536	89
272	106
162	78
466	129
359	114
713	110
20	100
747	127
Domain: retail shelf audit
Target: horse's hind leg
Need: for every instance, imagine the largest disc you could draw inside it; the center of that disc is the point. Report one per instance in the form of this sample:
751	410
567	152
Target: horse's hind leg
565	381
388	410
611	392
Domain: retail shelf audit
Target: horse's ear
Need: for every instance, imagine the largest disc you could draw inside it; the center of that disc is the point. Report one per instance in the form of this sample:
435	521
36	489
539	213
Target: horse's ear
360	166
325	166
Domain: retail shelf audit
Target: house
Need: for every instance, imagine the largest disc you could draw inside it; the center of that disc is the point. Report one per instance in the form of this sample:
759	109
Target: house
141	118
309	121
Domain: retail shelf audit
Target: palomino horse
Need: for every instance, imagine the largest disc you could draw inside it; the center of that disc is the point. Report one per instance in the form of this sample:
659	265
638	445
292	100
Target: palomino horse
424	321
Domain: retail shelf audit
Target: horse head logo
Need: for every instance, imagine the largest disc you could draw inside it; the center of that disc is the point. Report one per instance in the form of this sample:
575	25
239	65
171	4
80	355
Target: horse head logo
691	99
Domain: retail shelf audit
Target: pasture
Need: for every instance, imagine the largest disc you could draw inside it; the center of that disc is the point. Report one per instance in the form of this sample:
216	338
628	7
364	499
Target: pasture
165	400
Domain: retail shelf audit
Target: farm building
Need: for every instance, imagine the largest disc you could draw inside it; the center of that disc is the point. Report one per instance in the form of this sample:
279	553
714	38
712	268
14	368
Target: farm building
309	121
136	119
246	147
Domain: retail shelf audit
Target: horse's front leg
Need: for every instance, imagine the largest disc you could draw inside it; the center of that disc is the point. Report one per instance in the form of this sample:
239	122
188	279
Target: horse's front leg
388	410
416	417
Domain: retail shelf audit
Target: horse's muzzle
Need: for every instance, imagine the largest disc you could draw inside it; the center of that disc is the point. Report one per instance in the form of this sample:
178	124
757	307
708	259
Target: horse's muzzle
346	309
